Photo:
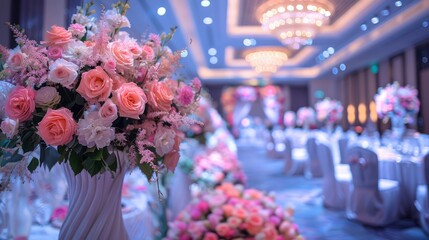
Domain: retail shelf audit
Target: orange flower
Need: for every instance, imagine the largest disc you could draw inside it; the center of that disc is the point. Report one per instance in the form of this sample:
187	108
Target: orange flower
95	85
57	36
57	127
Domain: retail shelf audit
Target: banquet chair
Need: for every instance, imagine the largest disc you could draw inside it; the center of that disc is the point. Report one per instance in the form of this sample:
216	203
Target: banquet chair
294	164
313	164
335	183
342	146
422	198
372	201
274	148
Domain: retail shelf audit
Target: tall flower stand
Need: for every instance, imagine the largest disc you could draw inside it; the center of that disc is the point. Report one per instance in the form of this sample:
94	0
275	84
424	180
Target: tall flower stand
95	205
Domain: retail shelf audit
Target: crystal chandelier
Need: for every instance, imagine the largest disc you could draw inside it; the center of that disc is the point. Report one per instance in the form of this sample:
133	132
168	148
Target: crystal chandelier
266	59
294	22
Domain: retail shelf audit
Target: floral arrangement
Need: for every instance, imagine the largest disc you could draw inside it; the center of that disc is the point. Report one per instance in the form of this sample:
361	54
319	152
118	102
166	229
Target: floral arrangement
231	212
305	116
202	115
246	93
396	101
329	110
215	166
289	119
90	90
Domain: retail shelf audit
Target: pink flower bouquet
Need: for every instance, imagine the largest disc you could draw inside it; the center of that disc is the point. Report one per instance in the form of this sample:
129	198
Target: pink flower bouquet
396	101
231	212
306	116
215	166
329	110
289	119
90	90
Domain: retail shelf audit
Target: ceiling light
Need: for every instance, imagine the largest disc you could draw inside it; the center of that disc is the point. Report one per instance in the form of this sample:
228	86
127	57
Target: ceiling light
398	3
425	24
212	51
266	59
161	11
363	27
184	53
208	20
325	54
335	70
375	20
205	3
385	12
342	67
331	50
249	42
213	60
294	22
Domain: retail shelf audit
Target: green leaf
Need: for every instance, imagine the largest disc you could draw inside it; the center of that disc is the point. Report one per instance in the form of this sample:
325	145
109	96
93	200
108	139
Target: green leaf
49	156
30	140
92	166
33	164
110	159
147	170
97	155
75	163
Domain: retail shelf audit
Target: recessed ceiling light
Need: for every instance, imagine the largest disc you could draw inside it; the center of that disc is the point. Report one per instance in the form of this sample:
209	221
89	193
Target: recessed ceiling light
321	57
363	27
325	54
385	12
342	67
425	60
184	53
212	51
161	11
375	20
213	60
335	70
208	20
398	3
425	24
331	50
205	3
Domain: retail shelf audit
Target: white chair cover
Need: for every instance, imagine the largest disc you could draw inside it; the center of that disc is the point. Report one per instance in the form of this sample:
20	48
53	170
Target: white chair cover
313	164
372	201
422	198
293	165
335	186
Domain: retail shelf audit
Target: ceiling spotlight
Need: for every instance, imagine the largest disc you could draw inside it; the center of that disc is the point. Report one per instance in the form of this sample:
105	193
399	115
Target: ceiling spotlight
425	24
335	70
212	51
325	54
213	60
363	27
375	20
331	50
208	20
205	3
161	11
184	53
398	3
342	67
385	12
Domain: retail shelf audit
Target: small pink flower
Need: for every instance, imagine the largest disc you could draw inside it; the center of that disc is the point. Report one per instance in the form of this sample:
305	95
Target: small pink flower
9	127
196	84
20	103
16	59
203	206
210	236
148	53
109	111
185	96
195	214
55	52
77	30
59	213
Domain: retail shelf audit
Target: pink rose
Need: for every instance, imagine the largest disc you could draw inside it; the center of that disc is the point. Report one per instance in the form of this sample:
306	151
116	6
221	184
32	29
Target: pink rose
117	80
210	236
172	158
195	214
57	127
110	66
63	72
95	85
186	96
130	99
203	206
109	111
57	36
9	127
148	53
196	84
20	103
47	97
223	230
77	30
234	222
254	224
16	59
120	52
159	96
55	52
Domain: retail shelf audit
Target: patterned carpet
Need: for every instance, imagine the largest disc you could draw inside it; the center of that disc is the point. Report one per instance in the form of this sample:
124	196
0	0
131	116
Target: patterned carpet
305	195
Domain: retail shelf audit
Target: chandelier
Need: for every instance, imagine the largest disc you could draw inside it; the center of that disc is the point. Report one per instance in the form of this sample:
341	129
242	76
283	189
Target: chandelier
294	22
266	59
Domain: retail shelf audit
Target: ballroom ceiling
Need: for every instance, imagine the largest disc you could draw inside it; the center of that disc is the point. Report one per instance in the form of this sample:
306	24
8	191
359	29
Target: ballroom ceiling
359	34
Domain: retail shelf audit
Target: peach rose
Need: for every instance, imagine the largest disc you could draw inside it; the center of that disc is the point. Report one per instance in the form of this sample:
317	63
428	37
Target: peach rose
254	224
240	213
159	96
148	53
109	111
228	209
120	52
117	80
130	99
223	229
57	36
234	222
20	103
95	85
57	127
210	236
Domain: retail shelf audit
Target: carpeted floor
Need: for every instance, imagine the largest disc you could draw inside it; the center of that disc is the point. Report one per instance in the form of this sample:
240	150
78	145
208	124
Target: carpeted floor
305	195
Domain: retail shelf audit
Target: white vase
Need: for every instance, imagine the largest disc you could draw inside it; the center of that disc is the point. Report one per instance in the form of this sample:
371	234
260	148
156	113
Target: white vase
95	204
19	210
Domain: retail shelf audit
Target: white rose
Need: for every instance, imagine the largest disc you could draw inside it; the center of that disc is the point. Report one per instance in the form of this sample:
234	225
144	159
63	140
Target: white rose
9	127
164	141
116	20
63	72
92	131
47	97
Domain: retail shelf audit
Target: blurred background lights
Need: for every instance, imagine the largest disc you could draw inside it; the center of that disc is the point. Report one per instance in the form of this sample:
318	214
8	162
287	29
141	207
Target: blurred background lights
161	11
342	67
205	3
213	60
184	53
375	20
207	20
212	51
363	27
